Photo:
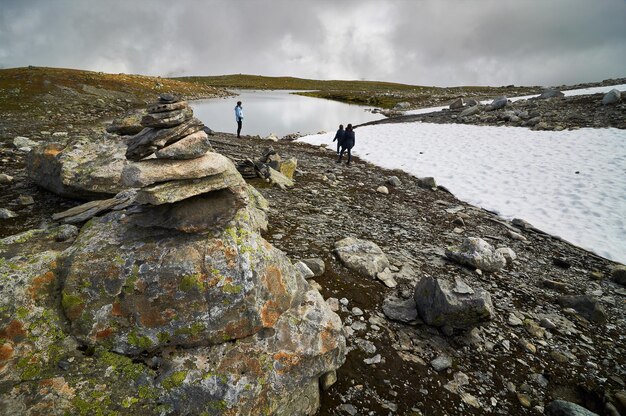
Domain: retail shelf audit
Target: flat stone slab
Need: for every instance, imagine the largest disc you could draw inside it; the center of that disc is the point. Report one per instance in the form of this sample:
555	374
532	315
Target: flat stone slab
148	172
172	191
190	147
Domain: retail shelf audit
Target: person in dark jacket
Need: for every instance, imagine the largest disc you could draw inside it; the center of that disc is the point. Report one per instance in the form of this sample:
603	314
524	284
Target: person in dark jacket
339	137
348	143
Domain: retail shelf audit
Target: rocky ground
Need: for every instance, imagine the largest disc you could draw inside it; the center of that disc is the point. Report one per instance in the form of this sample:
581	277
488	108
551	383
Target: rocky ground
535	349
515	364
558	113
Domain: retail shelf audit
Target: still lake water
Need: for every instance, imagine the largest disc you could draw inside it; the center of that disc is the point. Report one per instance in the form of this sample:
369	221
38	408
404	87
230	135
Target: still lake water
279	112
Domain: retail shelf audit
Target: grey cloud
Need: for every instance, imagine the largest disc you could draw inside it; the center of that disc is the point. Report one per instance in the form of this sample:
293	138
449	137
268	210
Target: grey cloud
427	42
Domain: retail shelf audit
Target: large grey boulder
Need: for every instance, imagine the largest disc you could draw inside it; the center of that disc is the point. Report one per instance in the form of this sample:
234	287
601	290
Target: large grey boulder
441	303
499	103
284	338
477	253
612	97
550	93
563	408
85	168
362	256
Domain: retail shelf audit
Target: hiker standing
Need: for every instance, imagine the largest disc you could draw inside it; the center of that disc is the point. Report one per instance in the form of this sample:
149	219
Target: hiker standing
348	143
339	137
239	117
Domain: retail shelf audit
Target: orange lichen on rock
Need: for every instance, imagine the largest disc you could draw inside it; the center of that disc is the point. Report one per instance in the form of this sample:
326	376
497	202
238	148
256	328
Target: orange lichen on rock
14	331
41	284
105	333
286	361
329	339
6	352
270	312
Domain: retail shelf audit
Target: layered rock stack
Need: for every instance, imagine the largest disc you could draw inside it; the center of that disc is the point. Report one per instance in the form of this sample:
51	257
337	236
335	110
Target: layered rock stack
170	132
181	306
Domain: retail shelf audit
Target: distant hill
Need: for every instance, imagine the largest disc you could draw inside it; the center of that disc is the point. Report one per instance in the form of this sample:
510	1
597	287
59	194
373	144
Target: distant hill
374	93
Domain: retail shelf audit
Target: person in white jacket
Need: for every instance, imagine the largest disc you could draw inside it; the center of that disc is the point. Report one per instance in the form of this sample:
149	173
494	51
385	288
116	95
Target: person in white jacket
239	117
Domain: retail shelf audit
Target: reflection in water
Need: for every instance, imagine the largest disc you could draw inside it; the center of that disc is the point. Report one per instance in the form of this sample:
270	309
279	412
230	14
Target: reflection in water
279	112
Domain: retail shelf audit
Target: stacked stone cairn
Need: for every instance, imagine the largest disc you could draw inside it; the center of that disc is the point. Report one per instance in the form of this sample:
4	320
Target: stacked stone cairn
183	185
179	304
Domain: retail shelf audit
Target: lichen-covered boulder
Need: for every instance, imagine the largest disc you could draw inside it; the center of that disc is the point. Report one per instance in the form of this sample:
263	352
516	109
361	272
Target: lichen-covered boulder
477	253
275	369
442	303
85	168
271	373
133	289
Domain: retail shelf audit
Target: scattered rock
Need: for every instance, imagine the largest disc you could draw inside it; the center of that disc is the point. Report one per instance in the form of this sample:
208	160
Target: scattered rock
362	256
477	253
470	111
618	273
21	142
458	103
612	97
442	362
4	178
316	266
382	190
585	305
128	124
550	93
6	214
440	303
402	310
427	182
499	102
304	270
394	181
387	278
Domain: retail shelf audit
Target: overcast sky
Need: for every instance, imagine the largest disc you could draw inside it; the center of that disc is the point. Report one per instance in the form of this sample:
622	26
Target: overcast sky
422	42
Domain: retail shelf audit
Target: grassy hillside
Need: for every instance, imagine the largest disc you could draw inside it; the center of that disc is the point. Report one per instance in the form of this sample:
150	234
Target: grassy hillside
56	96
374	93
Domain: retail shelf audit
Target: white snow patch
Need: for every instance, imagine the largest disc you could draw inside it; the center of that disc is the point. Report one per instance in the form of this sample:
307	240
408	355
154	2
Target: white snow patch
517	173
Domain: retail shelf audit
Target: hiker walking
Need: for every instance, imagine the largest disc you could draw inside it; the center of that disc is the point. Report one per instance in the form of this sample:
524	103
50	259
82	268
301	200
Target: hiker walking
348	144
339	137
239	117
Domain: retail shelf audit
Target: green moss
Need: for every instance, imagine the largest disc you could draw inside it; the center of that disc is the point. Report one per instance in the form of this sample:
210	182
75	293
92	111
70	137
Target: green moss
30	370
148	392
231	288
70	301
21	312
194	330
129	401
92	407
174	380
191	282
140	341
123	365
164	337
129	284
